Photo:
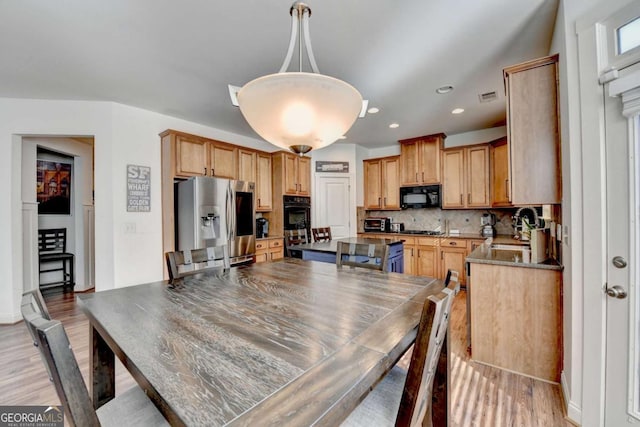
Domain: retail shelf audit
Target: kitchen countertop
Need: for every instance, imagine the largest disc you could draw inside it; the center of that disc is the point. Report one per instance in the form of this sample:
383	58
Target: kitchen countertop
332	245
484	254
446	236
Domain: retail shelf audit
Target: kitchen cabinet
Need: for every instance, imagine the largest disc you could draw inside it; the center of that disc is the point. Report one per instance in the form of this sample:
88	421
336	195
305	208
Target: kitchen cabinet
532	131
246	165
197	156
452	257
381	189
420	160
466	180
264	191
427	256
410	255
269	249
500	173
516	319
293	173
255	166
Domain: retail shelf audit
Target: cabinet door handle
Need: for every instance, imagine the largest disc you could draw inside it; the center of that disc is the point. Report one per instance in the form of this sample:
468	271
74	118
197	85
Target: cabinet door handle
259	201
205	171
385	201
506	188
453	243
461	201
379	201
416	176
422	176
468	198
411	251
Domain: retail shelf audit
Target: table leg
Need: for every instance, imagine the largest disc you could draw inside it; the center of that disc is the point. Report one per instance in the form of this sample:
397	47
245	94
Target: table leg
102	372
441	385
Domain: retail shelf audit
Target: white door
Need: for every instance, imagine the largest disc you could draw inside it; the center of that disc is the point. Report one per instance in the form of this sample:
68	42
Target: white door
622	118
332	206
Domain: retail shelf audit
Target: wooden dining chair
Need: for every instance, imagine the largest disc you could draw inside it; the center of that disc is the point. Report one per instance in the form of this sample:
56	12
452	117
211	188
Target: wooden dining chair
295	238
363	255
132	407
321	234
186	263
403	397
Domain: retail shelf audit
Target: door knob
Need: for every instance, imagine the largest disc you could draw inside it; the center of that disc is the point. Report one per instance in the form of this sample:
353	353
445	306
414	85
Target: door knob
617	292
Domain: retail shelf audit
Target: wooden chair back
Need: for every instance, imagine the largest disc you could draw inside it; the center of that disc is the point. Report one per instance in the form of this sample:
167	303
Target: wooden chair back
52	241
363	255
321	234
55	349
294	238
417	395
33	309
186	263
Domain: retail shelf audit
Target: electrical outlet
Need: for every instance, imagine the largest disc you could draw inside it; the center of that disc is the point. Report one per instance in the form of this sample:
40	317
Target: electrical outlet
129	227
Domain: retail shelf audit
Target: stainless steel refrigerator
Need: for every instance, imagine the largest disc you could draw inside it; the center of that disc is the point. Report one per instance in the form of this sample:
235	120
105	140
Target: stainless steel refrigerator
214	212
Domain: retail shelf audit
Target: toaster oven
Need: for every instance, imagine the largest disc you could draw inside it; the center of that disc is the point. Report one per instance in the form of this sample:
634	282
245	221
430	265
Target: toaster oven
377	224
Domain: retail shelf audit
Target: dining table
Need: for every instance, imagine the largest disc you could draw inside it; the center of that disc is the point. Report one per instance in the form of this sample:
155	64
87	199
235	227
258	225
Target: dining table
289	342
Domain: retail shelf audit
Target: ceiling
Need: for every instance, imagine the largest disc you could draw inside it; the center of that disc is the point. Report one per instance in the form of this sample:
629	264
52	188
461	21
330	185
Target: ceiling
177	57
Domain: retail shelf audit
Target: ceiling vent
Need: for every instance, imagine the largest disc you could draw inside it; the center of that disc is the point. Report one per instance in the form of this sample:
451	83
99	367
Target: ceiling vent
488	96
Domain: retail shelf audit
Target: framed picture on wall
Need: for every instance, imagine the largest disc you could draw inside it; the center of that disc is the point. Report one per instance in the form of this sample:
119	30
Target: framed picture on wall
53	187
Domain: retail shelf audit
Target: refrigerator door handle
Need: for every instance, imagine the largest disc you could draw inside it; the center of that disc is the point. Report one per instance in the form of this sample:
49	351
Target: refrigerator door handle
230	214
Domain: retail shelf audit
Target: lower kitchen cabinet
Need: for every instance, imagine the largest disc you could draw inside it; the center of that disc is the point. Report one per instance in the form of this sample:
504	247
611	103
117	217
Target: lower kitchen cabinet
516	319
269	249
452	257
427	256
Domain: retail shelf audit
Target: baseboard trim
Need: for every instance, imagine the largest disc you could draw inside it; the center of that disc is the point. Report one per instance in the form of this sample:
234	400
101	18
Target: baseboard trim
8	319
573	411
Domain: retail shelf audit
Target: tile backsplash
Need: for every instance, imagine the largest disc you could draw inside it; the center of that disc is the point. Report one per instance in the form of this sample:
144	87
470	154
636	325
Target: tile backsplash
467	220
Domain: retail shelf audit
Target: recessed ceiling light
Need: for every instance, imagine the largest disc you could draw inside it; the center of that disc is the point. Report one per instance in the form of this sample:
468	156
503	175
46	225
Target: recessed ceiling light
457	111
444	89
343	137
373	110
394	125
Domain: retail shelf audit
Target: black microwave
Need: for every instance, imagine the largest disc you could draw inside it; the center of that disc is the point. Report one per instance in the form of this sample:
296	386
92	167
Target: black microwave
426	196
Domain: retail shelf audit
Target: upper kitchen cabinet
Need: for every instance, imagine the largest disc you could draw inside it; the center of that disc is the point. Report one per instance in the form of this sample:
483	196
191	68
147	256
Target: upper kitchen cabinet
533	139
293	173
466	180
420	160
500	187
264	191
381	189
197	156
255	166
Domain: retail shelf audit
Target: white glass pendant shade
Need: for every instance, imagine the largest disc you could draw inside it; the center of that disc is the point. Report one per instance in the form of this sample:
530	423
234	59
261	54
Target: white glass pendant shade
299	111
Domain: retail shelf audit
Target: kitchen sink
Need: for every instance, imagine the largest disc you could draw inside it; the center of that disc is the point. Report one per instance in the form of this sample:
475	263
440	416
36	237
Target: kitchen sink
506	247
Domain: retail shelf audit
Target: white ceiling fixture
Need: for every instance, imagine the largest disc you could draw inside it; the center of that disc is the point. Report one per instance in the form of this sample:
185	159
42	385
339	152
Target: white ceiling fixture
394	125
300	111
457	111
444	89
373	110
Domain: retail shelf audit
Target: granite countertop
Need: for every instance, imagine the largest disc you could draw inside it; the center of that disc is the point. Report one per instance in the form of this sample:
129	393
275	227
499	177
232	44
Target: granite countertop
332	245
484	254
446	236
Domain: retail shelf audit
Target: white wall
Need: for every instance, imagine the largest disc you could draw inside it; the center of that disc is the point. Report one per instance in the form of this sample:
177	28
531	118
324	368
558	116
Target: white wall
122	135
475	137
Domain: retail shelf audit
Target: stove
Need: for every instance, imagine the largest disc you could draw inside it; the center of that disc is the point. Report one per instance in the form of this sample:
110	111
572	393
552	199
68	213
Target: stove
424	232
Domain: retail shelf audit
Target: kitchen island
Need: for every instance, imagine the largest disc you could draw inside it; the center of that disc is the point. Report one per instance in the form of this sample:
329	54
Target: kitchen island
515	318
326	251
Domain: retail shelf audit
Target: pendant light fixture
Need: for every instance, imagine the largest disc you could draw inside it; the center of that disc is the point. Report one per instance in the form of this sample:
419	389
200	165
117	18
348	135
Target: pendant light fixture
299	111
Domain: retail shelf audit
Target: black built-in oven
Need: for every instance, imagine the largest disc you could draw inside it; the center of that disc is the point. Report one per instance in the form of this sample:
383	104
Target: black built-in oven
297	213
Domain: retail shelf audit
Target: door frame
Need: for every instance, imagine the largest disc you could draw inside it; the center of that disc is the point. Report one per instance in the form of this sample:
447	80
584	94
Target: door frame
592	60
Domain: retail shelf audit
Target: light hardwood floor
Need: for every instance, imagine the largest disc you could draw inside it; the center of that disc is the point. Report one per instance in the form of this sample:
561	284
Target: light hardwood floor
480	395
